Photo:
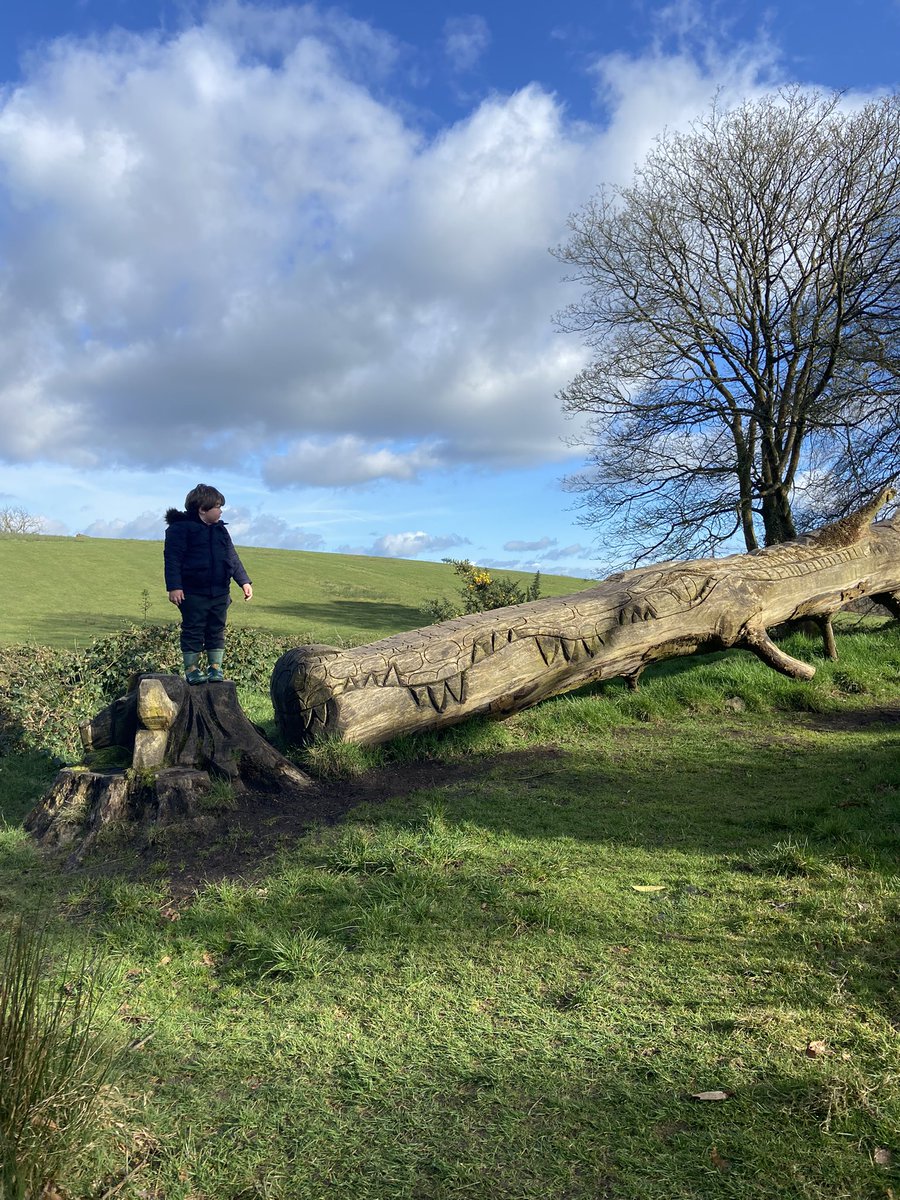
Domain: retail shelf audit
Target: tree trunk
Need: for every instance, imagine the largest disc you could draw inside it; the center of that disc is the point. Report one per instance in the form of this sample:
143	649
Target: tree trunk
508	659
778	521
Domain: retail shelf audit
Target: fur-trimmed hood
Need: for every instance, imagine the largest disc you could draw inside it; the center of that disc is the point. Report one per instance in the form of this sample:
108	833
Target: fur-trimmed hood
174	515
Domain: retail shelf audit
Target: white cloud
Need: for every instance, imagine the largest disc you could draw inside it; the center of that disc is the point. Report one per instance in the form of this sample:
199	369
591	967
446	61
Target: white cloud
576	550
541	544
579	570
407	545
148	526
246	529
693	61
465	41
223	245
344	462
265	529
547	549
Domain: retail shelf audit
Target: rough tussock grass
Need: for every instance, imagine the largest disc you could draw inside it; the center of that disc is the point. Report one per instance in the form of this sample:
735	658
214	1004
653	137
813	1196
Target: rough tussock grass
54	1062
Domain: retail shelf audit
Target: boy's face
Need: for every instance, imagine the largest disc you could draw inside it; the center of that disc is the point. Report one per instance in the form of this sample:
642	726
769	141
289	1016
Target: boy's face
209	516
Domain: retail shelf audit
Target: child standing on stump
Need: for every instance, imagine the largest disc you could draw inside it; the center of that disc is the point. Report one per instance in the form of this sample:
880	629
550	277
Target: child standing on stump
201	562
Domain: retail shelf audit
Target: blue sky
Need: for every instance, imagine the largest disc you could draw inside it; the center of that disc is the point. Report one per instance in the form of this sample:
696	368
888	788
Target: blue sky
301	252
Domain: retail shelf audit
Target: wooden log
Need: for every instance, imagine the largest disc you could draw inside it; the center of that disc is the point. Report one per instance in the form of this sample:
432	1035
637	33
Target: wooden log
507	659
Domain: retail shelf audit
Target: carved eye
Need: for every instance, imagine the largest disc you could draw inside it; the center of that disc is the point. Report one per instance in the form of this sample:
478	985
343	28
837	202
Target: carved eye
689	588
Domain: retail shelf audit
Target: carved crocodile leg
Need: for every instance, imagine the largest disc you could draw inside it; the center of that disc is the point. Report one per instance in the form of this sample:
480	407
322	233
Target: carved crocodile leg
634	679
827	630
757	641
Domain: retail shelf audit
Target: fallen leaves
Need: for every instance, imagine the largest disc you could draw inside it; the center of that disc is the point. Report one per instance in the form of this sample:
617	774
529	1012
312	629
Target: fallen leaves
882	1157
648	887
716	1094
816	1049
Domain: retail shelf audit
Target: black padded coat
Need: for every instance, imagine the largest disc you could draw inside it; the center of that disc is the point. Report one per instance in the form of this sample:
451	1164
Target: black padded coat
200	559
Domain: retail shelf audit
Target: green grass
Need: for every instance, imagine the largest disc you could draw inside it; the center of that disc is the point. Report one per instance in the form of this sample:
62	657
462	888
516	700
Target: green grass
71	590
463	992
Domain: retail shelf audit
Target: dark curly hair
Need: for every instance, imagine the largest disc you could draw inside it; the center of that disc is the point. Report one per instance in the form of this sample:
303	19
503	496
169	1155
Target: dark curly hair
202	498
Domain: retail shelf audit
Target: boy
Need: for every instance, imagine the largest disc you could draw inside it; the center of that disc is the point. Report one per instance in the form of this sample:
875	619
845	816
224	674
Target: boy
201	562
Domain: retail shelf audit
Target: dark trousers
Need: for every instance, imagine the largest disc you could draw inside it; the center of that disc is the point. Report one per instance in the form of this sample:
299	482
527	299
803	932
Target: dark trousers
203	622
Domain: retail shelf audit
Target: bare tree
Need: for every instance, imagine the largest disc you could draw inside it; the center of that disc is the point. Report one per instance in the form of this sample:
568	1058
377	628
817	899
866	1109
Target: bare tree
17	520
742	301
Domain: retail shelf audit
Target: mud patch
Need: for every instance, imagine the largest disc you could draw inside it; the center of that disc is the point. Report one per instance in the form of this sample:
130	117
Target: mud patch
239	844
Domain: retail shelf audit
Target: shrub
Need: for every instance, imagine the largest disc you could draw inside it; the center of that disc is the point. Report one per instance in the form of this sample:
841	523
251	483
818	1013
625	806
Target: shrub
53	1064
481	591
46	693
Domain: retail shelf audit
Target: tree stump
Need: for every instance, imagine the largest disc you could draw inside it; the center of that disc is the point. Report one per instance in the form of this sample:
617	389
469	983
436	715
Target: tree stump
180	740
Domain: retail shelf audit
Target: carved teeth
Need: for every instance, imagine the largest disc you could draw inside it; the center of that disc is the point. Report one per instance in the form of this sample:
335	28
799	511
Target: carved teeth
320	713
391	679
456	687
481	649
549	648
569	649
439	694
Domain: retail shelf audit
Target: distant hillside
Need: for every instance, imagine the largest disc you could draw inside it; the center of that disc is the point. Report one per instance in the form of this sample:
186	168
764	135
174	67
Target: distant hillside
66	591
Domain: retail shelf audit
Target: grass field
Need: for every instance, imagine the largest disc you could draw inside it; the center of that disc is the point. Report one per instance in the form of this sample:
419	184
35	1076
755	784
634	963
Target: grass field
66	591
516	979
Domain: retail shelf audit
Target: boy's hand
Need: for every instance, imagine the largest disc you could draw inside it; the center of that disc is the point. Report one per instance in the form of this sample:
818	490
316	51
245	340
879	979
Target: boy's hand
176	596
248	591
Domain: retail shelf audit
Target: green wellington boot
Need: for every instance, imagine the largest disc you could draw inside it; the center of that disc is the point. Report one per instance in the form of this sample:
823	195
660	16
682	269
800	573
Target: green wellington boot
215	674
192	671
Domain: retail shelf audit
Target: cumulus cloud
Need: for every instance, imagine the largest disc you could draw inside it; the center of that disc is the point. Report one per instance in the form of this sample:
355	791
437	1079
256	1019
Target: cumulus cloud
547	549
223	244
265	529
407	545
575	566
542	544
576	550
465	41
246	528
345	462
148	526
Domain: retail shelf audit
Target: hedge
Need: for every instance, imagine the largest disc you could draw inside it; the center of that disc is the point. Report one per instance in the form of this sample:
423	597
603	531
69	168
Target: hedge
45	693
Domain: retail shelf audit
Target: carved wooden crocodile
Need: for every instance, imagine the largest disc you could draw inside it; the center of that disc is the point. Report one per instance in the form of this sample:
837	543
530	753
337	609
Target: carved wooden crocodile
510	658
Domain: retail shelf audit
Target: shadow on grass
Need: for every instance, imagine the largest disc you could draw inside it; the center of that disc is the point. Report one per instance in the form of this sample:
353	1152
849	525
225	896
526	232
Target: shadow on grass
24	777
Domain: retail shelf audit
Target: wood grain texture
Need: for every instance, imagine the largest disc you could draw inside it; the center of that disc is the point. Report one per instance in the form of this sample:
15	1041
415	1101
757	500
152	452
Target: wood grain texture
507	659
